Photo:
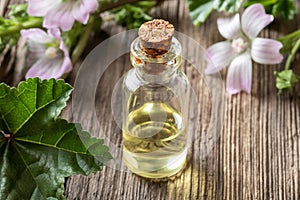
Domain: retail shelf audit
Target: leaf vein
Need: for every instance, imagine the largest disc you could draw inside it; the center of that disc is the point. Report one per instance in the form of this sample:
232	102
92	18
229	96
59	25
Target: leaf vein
33	114
49	145
27	167
63	135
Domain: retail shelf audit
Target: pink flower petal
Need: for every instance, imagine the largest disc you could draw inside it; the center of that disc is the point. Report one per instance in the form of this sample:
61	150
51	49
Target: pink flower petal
90	5
66	66
80	14
254	19
62	14
37	35
43	66
230	28
266	51
49	68
41	69
56	33
218	56
61	17
239	75
35	52
41	7
60	67
83	8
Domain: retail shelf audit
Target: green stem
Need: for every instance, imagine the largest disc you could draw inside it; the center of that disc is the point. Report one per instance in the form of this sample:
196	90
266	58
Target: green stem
110	6
292	55
292	35
32	23
78	50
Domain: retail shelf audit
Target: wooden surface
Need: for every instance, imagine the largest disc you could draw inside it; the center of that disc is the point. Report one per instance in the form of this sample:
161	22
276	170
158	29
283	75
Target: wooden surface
256	154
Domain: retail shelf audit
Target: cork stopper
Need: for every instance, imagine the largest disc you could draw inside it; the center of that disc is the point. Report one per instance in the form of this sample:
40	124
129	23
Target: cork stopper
156	36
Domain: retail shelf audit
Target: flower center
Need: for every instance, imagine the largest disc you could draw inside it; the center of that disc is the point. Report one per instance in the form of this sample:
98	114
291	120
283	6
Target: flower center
52	52
239	45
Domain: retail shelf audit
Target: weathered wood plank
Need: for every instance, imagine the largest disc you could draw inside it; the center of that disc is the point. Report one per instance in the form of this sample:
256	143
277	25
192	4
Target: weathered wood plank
257	155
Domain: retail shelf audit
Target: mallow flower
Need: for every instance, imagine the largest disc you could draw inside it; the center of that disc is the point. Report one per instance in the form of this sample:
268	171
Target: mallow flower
47	54
241	46
62	13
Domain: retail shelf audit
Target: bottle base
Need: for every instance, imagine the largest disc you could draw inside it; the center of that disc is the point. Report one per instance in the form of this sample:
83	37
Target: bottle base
173	165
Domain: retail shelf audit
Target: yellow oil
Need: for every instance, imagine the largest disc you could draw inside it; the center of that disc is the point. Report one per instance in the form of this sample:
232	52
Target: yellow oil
154	140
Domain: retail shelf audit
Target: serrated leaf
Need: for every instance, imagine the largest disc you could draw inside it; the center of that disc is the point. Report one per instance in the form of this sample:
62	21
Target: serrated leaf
201	9
18	105
286	80
37	148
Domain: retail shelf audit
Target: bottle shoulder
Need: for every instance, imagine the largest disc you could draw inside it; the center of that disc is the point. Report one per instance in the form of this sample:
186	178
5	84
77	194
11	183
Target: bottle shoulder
132	81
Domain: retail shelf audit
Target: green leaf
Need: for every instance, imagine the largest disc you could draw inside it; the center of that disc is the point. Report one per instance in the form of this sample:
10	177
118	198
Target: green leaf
18	106
133	15
17	20
286	80
228	5
201	9
18	12
17	15
37	148
263	2
286	8
289	41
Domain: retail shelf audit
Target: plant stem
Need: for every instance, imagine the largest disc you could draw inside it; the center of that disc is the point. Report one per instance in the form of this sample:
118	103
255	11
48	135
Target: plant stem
32	23
292	35
78	50
292	55
107	7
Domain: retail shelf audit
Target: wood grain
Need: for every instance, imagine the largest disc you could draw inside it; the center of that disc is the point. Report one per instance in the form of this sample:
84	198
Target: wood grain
256	155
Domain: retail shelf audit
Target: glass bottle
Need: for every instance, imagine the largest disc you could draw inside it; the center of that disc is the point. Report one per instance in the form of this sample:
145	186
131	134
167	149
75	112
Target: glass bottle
155	104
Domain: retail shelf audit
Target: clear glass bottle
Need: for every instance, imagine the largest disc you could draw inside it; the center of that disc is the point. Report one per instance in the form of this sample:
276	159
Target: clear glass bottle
155	111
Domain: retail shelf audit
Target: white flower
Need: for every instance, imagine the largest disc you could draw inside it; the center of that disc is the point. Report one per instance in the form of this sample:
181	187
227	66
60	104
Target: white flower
242	44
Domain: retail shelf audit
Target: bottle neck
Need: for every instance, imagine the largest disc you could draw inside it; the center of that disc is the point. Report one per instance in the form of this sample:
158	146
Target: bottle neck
156	68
